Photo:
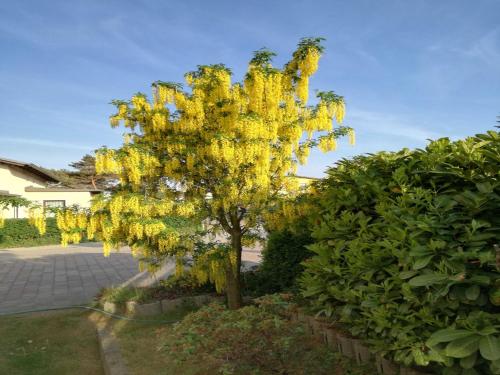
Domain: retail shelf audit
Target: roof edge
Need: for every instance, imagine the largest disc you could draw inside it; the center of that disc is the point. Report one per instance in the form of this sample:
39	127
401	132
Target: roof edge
30	167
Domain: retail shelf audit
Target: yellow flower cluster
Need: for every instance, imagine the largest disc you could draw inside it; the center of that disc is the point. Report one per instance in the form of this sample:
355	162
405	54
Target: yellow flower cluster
136	230
67	238
135	165
115	209
164	94
287	212
302	154
106	162
352	137
159	121
153	229
167	241
69	219
185	209
106	248
328	143
309	65
140	103
36	217
212	267
93	226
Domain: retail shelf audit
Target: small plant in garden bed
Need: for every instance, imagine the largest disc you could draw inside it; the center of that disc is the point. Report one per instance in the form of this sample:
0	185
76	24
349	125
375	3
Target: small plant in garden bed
172	288
181	286
121	295
253	340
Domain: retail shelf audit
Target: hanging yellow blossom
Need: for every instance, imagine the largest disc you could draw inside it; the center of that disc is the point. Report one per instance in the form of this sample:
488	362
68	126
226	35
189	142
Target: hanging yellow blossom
352	137
36	217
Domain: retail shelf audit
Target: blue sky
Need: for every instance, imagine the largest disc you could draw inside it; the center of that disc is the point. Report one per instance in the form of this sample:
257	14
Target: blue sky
409	70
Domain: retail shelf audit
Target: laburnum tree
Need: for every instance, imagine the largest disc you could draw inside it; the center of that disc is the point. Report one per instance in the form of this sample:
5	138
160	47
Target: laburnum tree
219	153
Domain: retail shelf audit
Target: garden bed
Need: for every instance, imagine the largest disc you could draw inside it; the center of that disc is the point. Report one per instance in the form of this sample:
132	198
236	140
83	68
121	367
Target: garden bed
226	343
169	295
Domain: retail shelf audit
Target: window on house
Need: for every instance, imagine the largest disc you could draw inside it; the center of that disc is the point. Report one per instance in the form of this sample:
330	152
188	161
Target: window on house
48	206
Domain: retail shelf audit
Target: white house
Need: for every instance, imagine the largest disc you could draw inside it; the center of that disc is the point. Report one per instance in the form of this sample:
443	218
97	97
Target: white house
28	181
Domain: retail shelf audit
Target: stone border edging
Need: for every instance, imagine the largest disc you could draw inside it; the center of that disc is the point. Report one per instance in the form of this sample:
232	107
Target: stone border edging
157	307
111	357
348	346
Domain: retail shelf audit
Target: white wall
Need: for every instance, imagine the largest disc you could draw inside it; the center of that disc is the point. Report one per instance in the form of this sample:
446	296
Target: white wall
15	181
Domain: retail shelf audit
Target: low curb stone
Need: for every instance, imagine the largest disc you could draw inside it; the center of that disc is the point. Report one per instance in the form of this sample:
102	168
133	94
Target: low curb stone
112	360
146	309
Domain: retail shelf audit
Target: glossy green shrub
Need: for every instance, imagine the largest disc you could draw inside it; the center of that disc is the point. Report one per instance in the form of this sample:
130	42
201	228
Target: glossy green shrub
407	256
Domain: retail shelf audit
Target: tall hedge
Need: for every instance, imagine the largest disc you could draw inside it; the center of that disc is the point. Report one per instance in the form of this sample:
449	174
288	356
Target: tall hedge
19	232
406	253
281	263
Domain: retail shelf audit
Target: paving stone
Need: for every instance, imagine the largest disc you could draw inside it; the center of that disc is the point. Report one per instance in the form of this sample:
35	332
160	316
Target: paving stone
51	276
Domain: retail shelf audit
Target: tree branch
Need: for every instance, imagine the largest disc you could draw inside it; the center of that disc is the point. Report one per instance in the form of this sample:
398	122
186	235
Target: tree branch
223	222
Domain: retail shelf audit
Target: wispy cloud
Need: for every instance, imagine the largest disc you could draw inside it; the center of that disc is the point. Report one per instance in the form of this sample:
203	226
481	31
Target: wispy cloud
115	27
446	65
486	49
395	126
45	143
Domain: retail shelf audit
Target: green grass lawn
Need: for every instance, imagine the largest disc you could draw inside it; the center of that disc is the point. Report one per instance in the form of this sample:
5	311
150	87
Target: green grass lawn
56	343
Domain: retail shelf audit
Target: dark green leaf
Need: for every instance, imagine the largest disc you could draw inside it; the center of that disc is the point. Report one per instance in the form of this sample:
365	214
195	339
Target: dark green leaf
463	347
422	262
407	274
447	335
489	346
468	362
470	371
427	280
472	292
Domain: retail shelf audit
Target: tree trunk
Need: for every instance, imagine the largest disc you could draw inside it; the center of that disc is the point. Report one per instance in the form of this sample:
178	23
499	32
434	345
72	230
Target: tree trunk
233	281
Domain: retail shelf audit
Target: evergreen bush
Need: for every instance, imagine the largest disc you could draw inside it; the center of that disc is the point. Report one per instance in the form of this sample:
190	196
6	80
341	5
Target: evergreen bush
406	253
281	262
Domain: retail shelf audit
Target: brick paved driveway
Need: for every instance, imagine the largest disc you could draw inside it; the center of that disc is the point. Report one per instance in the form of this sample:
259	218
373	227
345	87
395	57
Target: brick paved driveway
52	276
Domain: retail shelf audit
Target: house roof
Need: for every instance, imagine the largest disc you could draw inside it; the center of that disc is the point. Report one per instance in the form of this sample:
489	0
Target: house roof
30	168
